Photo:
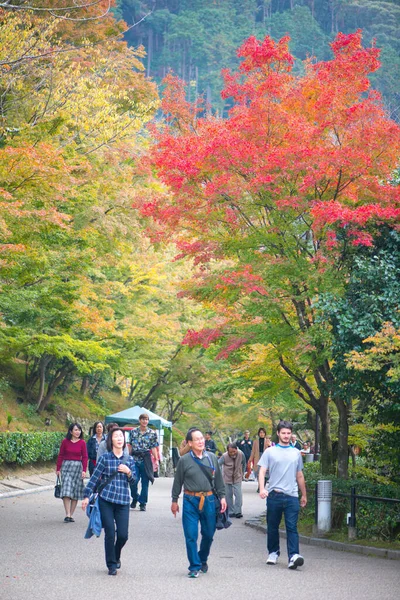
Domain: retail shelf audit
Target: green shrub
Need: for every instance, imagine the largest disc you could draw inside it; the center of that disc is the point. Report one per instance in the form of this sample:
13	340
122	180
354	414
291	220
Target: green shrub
375	520
26	448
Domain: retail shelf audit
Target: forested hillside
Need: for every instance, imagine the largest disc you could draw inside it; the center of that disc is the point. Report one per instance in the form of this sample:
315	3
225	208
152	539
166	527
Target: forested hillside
198	38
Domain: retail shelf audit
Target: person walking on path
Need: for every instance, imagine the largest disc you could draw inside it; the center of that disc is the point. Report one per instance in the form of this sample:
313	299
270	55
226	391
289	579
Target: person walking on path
114	498
246	446
295	442
257	450
102	449
285	467
233	463
143	442
93	444
199	473
184	447
71	466
210	444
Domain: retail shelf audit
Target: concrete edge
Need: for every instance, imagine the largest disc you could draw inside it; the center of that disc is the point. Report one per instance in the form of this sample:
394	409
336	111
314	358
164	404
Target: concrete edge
36	490
331	544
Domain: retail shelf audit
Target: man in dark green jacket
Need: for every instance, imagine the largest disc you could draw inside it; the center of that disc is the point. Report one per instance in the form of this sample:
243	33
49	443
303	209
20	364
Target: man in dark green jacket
198	472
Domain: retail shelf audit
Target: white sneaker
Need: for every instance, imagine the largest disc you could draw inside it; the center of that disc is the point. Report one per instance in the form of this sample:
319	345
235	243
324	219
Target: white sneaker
296	561
273	558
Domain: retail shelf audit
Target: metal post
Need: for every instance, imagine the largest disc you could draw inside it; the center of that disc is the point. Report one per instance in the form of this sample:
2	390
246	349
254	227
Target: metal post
315	525
316	452
324	505
353	518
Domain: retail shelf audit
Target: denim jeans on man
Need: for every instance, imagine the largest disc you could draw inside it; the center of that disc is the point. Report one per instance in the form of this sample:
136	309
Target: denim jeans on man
114	515
279	503
191	517
143	497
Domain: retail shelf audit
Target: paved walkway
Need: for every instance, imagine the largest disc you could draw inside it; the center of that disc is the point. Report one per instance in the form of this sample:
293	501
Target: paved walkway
41	557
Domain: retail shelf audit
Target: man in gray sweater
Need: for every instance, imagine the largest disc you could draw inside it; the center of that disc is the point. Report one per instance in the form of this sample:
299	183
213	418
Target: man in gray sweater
199	473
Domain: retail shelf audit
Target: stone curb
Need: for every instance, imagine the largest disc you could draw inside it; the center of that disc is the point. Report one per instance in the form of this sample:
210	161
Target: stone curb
11	487
332	545
36	490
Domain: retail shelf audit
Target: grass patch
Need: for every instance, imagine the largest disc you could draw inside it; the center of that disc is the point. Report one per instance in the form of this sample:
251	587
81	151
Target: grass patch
305	527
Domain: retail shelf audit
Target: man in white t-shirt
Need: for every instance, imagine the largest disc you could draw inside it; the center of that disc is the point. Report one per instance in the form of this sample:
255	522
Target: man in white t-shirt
285	467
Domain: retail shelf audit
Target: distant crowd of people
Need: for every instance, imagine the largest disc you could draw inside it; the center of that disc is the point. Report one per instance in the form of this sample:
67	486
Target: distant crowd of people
211	481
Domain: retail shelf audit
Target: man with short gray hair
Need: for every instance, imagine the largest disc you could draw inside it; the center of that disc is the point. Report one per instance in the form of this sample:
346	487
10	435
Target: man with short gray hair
199	474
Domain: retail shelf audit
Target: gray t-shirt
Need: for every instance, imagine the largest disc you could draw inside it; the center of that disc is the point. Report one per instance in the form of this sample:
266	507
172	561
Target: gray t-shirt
283	464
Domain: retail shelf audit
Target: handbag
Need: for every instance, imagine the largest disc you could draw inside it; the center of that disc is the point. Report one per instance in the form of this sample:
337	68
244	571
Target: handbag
57	488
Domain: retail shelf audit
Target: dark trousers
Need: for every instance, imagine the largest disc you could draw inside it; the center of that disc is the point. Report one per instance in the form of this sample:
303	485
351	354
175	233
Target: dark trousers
142	477
279	504
115	519
191	517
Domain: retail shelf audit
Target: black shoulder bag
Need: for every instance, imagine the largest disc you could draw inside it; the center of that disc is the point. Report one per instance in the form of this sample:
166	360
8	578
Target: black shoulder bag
100	488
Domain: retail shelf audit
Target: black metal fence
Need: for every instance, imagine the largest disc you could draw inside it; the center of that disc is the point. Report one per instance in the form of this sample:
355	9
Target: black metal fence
354	499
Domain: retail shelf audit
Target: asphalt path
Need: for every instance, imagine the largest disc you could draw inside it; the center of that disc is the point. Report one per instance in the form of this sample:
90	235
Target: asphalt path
41	557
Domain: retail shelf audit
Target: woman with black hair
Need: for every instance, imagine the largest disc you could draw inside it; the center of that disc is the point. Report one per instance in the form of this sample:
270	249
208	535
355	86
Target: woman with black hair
93	444
71	466
115	471
259	446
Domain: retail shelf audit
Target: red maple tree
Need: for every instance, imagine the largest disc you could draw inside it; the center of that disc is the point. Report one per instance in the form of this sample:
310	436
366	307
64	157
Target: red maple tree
269	200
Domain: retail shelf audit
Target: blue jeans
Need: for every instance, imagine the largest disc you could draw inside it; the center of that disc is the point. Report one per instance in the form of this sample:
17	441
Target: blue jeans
112	515
289	506
191	516
143	497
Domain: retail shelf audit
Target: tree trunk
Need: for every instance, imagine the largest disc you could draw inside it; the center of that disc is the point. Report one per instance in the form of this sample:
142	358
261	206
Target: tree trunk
85	385
326	442
149	51
321	406
52	386
96	386
31	378
343	439
174	411
44	362
132	390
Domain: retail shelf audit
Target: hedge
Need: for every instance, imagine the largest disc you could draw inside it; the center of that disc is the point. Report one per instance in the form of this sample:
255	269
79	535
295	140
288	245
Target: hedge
26	448
375	520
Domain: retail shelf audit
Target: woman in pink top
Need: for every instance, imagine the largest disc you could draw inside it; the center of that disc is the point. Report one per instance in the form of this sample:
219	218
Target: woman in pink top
71	466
